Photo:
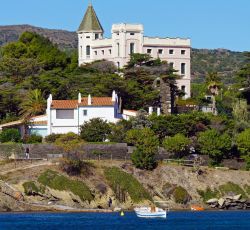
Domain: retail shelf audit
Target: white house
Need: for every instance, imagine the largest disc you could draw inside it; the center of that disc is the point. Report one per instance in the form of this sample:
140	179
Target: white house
127	39
63	116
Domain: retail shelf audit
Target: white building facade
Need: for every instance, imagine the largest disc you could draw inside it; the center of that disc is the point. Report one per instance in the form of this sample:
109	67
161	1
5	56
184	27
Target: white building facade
128	39
65	116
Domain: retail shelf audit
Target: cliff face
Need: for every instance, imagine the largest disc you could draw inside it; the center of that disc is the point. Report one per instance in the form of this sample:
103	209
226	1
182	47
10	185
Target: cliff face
176	187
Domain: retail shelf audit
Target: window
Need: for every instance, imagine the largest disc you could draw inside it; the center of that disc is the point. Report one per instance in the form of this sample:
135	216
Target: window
88	50
149	51
85	112
95	52
171	64
81	50
64	114
118	49
171	51
102	52
117	34
132	48
118	65
110	51
183	52
183	89
87	36
132	34
183	68
96	36
160	51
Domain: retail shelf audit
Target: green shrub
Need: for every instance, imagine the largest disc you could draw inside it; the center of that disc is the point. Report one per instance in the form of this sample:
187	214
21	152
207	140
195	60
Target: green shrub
177	145
243	142
30	188
181	195
33	139
75	167
146	143
69	142
208	194
122	182
10	135
59	182
212	143
95	130
230	187
52	138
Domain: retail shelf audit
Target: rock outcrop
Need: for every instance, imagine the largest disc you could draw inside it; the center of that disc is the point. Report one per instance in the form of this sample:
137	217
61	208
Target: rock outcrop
229	202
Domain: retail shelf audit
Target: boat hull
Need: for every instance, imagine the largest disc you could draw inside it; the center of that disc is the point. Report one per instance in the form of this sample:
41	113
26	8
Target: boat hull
146	213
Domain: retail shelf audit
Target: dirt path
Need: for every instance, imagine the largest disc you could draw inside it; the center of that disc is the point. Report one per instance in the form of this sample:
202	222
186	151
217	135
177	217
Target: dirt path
27	167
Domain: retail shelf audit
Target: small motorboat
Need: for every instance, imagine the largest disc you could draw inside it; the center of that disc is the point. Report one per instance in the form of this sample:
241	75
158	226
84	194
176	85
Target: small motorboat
150	212
196	208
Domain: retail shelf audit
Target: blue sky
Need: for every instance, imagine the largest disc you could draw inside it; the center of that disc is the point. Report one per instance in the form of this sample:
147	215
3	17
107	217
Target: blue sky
209	23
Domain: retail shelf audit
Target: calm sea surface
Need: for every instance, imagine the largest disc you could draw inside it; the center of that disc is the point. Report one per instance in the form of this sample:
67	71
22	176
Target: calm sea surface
175	220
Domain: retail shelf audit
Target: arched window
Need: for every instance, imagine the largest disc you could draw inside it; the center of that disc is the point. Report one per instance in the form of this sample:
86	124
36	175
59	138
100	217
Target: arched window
81	51
132	48
88	50
118	49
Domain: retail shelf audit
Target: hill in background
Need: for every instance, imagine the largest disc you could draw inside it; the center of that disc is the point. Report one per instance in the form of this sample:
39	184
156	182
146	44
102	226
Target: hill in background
225	62
64	39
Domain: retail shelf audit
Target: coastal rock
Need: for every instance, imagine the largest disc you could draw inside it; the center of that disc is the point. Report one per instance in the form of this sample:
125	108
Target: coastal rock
212	201
221	202
237	197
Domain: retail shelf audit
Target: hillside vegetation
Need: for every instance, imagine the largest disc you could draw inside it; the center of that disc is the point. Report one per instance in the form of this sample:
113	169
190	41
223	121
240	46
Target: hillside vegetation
226	62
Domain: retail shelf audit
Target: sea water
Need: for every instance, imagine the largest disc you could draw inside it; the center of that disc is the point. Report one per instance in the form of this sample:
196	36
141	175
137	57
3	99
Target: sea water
175	220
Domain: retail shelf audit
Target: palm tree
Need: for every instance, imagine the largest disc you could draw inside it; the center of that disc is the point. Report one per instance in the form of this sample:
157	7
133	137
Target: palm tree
213	84
33	104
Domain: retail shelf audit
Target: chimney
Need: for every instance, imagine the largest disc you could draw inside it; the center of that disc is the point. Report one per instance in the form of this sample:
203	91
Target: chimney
150	110
49	101
50	98
79	98
158	111
89	100
114	96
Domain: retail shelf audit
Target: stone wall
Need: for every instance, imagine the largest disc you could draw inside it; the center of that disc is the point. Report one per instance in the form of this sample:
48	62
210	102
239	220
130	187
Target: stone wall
117	151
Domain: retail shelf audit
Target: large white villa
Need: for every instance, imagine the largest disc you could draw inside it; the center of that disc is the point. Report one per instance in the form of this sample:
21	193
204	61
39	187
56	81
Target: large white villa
127	39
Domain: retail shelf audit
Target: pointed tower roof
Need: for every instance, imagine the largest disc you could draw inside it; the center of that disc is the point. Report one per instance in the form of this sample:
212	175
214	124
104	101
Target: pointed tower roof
90	21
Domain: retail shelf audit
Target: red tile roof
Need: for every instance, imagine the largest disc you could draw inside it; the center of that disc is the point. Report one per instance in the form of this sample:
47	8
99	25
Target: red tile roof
72	104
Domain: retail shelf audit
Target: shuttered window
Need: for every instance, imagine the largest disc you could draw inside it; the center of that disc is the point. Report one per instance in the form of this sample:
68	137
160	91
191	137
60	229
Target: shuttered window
64	114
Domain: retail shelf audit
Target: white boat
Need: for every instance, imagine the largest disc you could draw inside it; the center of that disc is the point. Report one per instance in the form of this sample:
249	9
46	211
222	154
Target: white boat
150	212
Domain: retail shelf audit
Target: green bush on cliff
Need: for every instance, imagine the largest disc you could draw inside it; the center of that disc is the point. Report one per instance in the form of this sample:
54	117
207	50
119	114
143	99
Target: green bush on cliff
59	182
208	194
30	188
230	187
181	195
122	181
247	188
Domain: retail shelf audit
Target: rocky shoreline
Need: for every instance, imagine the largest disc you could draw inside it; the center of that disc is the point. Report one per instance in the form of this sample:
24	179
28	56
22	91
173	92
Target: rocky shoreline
229	203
